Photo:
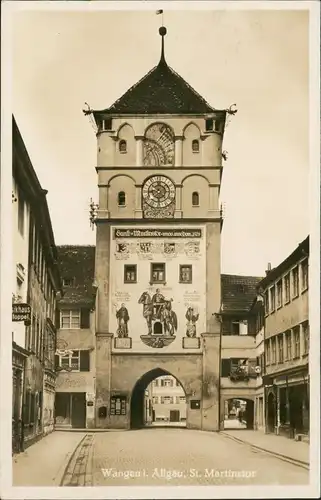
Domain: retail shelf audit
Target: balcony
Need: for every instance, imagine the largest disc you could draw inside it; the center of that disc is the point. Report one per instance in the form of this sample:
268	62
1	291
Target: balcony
242	373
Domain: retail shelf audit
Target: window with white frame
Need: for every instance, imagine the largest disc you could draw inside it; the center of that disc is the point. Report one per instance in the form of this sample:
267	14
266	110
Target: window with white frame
279	295
305	331
287	288
70	319
155	399
296	336
268	351
288	341
167	382
295	282
305	274
157	272
272	298
182	399
280	348
71	361
273	350
266	302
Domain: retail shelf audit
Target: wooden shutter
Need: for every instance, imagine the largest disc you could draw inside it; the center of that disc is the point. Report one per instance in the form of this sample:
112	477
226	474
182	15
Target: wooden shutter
226	326
252	326
56	361
84	318
84	361
225	367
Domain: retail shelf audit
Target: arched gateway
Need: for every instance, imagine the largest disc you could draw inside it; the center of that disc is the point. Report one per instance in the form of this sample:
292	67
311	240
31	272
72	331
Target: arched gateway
138	395
158	253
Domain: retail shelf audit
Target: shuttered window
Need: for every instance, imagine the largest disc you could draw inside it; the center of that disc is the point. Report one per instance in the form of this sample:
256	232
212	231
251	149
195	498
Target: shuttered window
84	318
225	367
74	318
84	361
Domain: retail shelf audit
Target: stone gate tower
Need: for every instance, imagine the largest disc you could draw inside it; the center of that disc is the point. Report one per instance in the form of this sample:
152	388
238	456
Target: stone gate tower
159	164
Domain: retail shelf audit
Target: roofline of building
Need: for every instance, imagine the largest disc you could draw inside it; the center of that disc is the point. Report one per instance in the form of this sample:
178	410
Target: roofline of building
301	250
99	112
242	276
37	197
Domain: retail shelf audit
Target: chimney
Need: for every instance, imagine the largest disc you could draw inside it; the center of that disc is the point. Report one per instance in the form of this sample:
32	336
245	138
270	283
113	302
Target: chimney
269	268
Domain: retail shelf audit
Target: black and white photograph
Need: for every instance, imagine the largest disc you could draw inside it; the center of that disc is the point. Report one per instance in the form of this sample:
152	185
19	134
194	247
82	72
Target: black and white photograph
160	274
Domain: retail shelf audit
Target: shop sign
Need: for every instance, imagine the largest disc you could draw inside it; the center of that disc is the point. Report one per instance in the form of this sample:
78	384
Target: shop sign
21	312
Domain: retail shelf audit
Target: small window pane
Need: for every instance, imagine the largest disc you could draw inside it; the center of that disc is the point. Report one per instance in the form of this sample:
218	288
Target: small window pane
130	274
195	146
186	274
122	146
121	199
195	199
209	124
158	273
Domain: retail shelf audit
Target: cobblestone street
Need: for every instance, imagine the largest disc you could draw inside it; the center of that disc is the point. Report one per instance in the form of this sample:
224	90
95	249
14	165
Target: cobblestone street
185	457
159	457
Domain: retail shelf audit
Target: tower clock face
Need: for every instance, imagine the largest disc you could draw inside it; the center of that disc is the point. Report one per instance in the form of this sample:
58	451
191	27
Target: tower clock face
158	191
159	145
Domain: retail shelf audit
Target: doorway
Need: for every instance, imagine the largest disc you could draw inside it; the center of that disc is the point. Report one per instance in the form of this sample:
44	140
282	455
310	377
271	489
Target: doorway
238	414
78	412
174	415
271	413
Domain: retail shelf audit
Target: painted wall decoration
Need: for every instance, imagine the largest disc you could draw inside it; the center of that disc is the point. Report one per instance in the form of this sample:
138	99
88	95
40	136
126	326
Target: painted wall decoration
192	316
160	318
159	146
122	319
167	303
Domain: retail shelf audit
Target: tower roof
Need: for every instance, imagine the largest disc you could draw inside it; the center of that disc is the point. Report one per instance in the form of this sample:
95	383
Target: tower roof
160	91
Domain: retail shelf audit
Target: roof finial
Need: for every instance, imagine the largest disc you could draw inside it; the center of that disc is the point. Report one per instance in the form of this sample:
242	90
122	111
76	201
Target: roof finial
162	32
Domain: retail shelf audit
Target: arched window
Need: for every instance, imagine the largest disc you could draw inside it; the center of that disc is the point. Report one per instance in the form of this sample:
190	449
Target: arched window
122	146
195	146
121	199
195	199
158	328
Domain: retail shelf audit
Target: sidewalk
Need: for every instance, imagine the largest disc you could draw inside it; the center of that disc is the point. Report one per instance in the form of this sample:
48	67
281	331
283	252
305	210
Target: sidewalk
278	445
43	463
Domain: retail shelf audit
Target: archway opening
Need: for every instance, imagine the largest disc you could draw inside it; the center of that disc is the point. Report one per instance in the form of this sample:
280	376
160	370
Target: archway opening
158	400
239	413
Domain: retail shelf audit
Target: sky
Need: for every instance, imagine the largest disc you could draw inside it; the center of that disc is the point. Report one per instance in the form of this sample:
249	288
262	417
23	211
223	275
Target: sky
256	59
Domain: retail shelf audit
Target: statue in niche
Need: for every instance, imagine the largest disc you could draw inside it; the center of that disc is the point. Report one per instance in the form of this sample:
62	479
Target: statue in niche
192	316
122	319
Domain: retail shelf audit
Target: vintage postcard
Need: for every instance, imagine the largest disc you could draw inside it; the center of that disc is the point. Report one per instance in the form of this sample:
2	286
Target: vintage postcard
160	275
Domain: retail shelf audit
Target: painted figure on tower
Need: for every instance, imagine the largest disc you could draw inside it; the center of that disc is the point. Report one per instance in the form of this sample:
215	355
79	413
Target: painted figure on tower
122	319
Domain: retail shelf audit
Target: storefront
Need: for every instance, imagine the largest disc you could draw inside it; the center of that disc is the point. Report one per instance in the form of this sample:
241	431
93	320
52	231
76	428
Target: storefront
19	356
287	409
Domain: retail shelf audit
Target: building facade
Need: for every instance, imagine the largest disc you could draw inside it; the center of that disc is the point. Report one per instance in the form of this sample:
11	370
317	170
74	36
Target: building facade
241	349
286	379
36	282
158	233
75	353
168	400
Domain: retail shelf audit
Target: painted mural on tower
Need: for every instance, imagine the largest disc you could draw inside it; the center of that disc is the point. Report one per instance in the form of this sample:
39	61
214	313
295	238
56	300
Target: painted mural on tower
158	280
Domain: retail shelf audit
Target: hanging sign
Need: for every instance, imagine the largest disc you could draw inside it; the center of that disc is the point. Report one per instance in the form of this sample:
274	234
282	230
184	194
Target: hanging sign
21	312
